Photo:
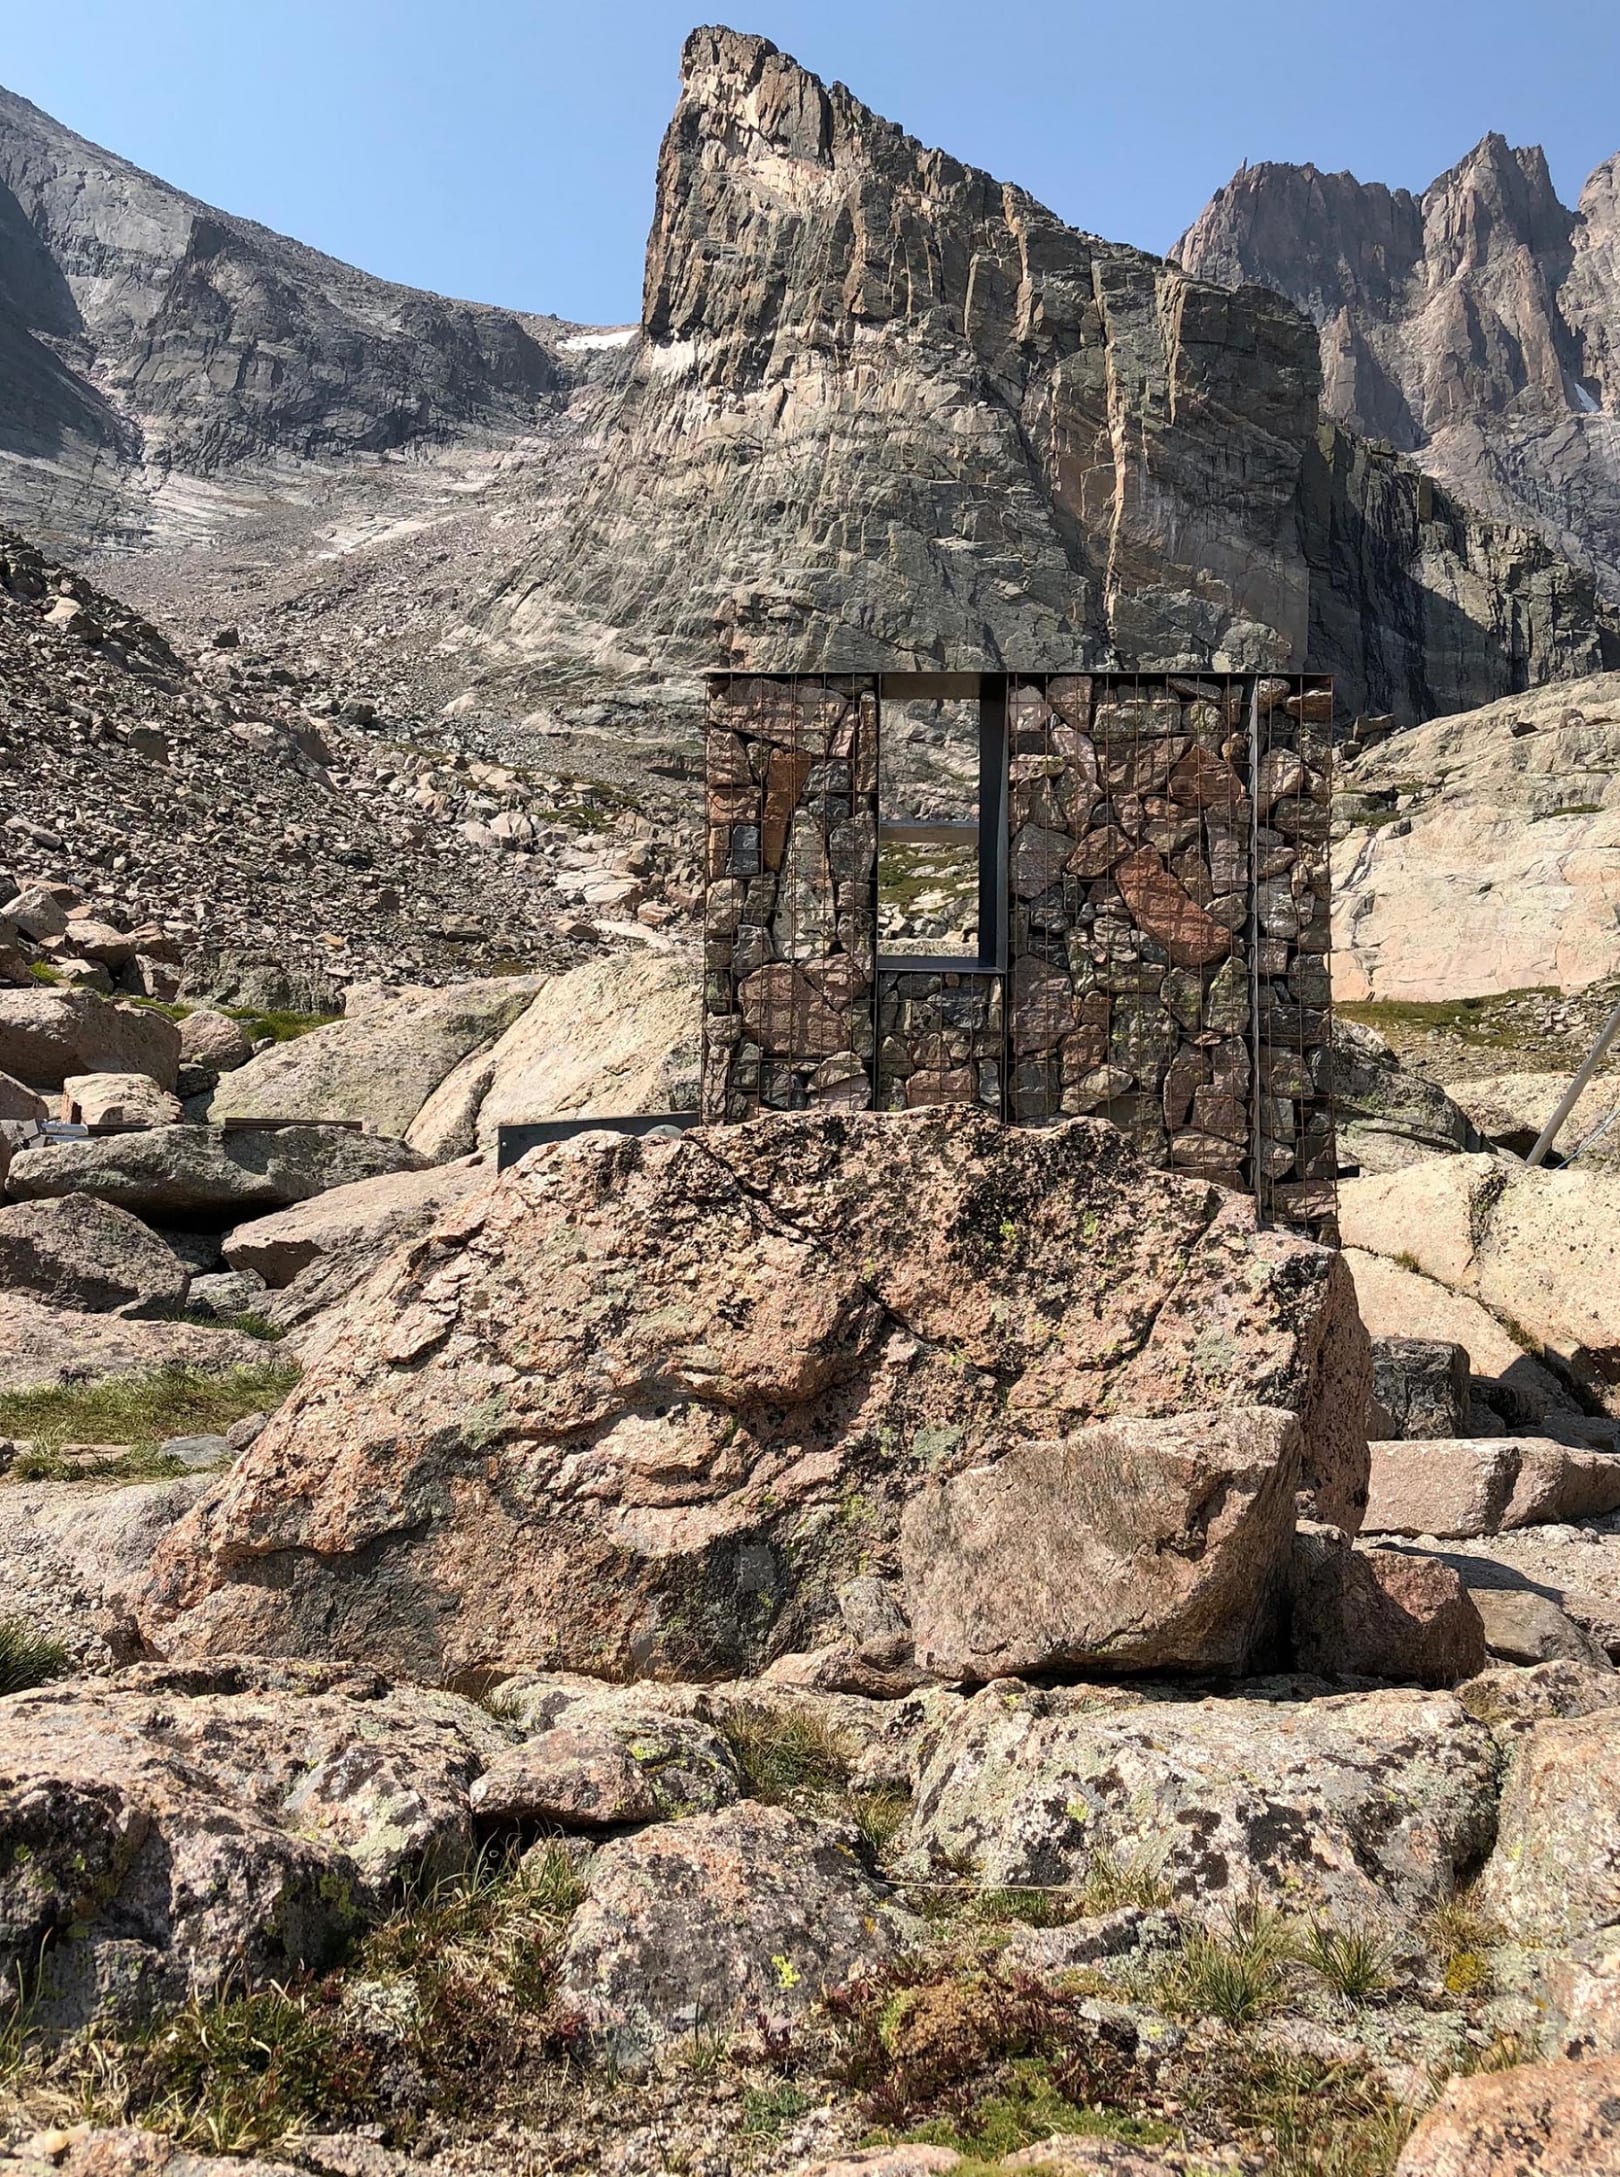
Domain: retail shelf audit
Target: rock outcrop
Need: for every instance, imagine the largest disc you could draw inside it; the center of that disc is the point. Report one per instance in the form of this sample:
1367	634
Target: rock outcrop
975	434
1474	325
1478	853
646	1405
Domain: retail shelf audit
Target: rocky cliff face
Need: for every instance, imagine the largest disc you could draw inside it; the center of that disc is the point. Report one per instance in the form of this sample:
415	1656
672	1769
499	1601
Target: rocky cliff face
142	328
888	411
882	410
1477	325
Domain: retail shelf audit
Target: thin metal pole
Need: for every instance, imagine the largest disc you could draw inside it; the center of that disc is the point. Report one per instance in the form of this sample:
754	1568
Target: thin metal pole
1572	1095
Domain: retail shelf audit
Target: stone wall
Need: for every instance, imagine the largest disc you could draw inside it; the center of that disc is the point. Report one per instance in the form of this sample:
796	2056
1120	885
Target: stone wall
1162	954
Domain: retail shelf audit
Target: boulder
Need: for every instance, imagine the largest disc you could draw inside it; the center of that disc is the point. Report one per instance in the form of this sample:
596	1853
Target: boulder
598	1776
615	1036
1420	1388
646	1405
44	1348
749	1915
46	1035
1397	1301
1387	1117
381	1061
1557	1483
211	1173
1510	1109
1437	1488
1365	1807
1537	2120
1524	1627
226	1293
1374	1613
18	1102
213	1041
117	1099
80	1253
198	1827
1125	1546
69	1550
362	1222
1538	1247
1554	1875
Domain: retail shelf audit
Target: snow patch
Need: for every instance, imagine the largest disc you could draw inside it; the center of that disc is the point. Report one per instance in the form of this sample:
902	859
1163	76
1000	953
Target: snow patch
621	338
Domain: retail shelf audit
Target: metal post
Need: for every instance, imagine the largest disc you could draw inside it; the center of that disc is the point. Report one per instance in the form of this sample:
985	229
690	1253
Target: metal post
1572	1095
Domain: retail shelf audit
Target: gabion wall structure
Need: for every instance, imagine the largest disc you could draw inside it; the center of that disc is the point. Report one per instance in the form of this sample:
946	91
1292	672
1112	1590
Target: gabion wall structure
1160	955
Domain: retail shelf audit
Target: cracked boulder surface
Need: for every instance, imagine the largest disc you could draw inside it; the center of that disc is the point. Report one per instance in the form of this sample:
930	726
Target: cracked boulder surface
646	1405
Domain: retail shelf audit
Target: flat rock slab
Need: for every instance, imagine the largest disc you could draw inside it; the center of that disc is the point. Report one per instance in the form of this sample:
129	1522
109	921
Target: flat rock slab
44	1348
207	1171
752	1913
76	1252
196	1826
1555	1873
644	1406
1363	1806
361	1221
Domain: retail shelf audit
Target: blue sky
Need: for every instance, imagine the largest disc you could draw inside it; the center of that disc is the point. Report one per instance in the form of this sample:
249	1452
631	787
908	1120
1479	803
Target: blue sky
505	149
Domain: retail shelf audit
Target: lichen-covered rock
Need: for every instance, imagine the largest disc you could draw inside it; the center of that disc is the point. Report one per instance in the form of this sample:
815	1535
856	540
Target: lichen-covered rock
85	2150
591	1776
1126	1546
79	1253
1555	1873
193	1825
1363	1806
647	1405
747	1916
1538	2120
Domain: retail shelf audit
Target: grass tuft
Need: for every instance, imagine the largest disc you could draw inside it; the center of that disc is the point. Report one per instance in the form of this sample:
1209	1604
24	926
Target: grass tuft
28	1659
1234	1973
140	1411
785	1753
1353	1963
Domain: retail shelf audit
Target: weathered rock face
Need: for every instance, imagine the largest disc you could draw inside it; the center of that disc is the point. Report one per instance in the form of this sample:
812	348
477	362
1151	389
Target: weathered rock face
1366	1805
1477	1486
1130	1545
1536	1246
1555	1873
69	1551
359	1222
646	1405
976	434
1537	2120
209	1173
79	1253
1474	324
148	325
197	1823
45	1035
1388	1117
1499	871
751	1914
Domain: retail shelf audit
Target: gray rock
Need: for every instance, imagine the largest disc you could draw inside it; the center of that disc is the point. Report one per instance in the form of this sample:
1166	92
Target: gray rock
203	1827
77	1252
361	1223
1523	1627
198	1452
228	1292
1420	1388
198	1171
213	1042
598	1776
1365	1806
753	1912
19	1102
